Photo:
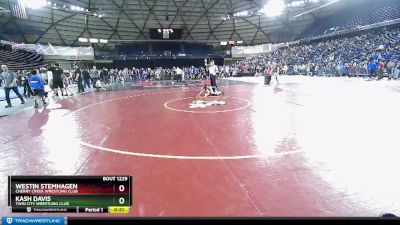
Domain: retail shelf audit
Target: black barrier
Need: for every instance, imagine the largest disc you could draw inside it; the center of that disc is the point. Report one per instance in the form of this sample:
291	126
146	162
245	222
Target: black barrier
245	75
165	63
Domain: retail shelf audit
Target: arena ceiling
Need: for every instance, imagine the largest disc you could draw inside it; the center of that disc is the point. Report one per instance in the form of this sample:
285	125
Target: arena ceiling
128	21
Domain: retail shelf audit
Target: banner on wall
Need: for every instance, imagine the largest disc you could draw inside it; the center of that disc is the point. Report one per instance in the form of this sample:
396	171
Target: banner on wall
60	52
245	51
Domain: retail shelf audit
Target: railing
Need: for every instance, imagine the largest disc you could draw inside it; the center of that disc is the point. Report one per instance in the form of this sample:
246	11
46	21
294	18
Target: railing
178	56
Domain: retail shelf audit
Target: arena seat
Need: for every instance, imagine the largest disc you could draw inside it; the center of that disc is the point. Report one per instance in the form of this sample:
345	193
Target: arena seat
21	60
352	17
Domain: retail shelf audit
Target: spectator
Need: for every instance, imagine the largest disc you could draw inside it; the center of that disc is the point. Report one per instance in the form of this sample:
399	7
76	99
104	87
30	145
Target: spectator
79	79
86	78
372	69
66	80
391	69
1	79
25	82
94	74
380	69
10	84
397	70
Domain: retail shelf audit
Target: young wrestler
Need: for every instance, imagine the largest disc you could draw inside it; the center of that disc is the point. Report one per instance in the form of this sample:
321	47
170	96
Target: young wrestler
37	85
207	90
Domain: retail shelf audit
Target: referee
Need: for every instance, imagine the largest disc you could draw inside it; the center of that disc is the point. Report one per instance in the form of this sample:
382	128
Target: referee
212	70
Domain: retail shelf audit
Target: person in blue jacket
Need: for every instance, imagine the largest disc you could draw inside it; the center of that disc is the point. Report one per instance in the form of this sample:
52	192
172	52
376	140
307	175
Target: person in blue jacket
37	86
372	69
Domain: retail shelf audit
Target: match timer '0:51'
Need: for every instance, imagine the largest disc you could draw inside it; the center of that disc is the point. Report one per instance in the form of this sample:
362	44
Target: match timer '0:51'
118	209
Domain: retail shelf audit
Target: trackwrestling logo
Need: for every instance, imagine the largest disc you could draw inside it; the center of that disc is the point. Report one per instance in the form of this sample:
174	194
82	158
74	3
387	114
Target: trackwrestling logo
33	220
204	104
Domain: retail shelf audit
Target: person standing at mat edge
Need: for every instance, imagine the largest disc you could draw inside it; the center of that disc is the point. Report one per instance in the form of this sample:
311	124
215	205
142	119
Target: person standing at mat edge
79	79
86	78
57	78
10	84
95	75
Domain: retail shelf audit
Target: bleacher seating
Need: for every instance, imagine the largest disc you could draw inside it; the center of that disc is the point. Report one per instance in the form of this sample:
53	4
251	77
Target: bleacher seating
161	48
199	50
329	55
350	17
133	50
21	59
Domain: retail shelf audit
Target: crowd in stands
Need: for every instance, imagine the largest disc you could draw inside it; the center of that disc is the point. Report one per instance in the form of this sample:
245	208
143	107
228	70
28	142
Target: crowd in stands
362	13
347	56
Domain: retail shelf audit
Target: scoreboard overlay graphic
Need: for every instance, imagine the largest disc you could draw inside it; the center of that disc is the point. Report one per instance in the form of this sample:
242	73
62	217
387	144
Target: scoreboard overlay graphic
70	194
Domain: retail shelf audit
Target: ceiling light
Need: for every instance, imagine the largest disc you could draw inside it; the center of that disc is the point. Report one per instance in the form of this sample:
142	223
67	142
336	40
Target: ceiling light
274	8
240	14
83	40
94	40
296	3
33	4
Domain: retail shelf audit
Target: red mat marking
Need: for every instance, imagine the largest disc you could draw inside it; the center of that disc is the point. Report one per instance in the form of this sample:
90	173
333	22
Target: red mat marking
233	104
